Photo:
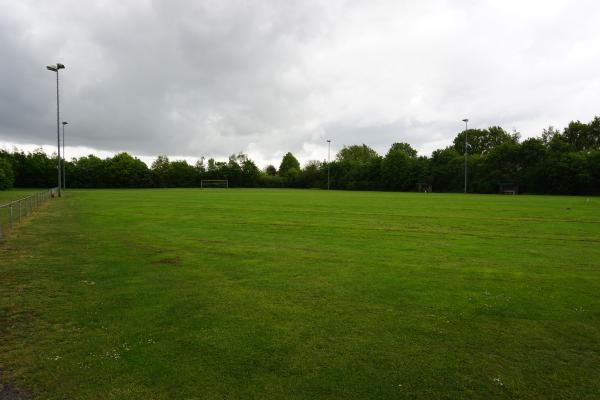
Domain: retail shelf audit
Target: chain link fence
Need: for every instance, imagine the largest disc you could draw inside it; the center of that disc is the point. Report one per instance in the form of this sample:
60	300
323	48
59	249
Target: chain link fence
13	212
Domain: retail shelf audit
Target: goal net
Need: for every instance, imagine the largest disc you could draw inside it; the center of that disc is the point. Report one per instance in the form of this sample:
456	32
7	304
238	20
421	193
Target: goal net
214	183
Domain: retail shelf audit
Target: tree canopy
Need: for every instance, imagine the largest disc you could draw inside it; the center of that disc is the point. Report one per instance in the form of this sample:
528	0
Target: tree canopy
7	176
481	141
560	162
289	167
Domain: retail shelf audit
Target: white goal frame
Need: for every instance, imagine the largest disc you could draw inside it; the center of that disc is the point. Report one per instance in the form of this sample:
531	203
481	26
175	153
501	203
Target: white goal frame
213	183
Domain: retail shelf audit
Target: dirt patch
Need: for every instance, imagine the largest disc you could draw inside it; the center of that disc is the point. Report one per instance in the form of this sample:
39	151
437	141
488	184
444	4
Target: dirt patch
9	392
168	261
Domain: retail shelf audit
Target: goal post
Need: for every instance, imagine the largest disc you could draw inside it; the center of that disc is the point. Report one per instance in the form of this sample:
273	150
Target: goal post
214	183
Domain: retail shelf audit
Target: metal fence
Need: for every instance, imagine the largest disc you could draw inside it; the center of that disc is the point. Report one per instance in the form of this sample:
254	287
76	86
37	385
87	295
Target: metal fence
12	213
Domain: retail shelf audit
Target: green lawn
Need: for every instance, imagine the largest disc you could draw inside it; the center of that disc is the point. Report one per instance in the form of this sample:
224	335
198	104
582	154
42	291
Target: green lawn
7	196
302	294
15	194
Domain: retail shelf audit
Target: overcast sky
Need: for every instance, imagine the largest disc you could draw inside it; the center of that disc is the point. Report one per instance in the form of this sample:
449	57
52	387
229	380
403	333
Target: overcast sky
212	78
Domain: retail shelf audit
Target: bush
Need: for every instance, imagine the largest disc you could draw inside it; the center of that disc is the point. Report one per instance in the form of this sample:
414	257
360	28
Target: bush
269	181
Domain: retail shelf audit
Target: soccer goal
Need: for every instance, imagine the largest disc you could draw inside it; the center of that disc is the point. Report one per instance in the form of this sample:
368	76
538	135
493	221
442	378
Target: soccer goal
214	183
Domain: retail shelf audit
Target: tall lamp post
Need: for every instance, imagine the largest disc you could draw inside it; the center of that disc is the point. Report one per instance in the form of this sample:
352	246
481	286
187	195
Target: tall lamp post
56	68
328	157
466	121
64	168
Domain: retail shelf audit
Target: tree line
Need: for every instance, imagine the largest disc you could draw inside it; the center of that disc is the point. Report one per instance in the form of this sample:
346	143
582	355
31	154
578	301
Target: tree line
557	162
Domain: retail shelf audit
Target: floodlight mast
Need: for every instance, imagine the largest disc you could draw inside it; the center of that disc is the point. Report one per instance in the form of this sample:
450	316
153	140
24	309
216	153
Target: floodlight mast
56	68
466	121
64	168
328	157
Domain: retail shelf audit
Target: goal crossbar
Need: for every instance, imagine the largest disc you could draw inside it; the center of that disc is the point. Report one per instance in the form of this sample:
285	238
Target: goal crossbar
211	183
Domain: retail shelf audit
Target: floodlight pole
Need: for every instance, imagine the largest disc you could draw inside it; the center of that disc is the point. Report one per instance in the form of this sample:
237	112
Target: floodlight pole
328	158
56	68
466	121
64	168
58	135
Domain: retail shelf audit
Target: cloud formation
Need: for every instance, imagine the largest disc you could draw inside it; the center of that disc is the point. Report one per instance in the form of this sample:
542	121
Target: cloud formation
211	78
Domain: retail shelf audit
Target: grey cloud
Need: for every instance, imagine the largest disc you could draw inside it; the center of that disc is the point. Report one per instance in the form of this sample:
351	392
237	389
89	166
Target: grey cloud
196	78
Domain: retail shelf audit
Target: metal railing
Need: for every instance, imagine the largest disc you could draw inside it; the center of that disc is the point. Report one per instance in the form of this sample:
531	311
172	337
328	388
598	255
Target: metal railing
13	212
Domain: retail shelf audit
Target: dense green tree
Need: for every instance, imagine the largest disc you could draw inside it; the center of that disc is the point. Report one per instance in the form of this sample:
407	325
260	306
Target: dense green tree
593	161
357	154
313	175
583	137
447	170
232	171
270	181
180	174
125	171
532	157
200	167
548	134
288	163
481	141
175	173
239	171
562	162
567	173
7	176
500	166
211	166
271	170
34	169
88	172
160	169
289	168
403	148
250	173
401	169
356	167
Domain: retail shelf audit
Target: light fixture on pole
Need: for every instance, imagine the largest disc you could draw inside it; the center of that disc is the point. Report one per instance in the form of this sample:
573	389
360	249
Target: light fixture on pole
328	157
64	168
466	121
56	68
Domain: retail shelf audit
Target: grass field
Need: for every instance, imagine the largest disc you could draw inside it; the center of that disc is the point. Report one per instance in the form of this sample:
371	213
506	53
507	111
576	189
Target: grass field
15	194
7	196
291	294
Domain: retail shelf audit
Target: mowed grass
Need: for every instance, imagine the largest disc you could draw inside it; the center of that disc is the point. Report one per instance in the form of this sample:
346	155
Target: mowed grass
6	196
292	294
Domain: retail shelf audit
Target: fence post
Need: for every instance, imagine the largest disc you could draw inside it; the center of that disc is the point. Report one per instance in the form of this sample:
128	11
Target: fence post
10	207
